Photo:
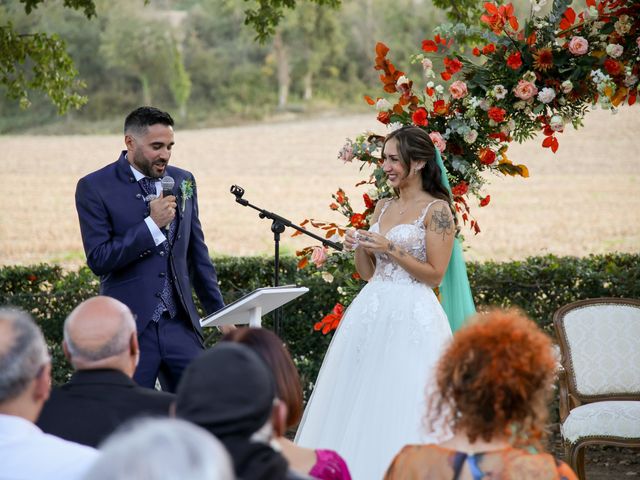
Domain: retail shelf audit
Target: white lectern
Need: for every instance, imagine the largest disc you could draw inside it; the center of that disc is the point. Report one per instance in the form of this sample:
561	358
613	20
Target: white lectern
250	308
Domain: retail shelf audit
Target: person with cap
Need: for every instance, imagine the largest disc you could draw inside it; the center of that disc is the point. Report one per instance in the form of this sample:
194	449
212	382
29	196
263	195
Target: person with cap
230	392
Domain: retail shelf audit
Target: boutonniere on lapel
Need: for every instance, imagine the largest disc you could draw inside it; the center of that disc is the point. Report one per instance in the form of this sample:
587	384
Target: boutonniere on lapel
186	187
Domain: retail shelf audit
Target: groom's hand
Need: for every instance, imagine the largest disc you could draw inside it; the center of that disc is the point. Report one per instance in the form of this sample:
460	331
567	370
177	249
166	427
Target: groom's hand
163	210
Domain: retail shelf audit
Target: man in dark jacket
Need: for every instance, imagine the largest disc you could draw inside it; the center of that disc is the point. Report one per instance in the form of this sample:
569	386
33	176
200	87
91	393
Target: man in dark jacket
101	343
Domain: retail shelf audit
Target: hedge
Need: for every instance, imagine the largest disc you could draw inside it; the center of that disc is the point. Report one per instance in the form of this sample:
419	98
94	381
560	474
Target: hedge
538	285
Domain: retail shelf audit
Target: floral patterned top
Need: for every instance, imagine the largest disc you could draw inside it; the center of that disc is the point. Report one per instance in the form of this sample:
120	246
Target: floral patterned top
437	463
330	466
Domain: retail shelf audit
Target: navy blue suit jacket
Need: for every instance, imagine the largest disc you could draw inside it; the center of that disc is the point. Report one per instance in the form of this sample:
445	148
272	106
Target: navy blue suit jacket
121	250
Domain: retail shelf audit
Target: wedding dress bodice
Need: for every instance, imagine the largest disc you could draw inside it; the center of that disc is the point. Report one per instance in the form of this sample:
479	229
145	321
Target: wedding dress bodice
408	236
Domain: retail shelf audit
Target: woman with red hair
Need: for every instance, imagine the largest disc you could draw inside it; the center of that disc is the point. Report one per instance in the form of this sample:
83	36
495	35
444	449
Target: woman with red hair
492	387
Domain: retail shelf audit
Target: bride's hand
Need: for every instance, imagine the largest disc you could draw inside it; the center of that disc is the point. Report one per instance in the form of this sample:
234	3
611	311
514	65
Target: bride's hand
373	242
351	240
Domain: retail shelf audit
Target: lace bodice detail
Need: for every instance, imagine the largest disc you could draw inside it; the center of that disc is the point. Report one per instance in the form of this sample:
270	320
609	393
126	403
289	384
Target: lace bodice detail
408	236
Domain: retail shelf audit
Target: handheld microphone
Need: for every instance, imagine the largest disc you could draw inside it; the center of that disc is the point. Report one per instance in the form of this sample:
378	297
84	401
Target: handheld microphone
167	185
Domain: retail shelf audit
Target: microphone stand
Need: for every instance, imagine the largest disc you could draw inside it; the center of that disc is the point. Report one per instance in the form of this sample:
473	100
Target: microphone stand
278	226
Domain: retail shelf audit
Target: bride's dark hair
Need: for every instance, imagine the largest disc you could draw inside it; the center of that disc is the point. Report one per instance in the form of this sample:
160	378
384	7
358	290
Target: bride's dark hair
415	145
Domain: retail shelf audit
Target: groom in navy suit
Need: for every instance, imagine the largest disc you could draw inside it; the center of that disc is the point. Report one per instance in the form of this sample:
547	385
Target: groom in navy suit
148	248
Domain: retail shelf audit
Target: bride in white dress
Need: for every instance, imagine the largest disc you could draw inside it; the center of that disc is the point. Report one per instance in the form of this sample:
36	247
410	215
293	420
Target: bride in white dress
369	398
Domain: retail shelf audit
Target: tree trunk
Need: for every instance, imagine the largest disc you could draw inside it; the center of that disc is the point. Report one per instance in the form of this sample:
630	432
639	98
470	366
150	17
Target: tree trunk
146	90
308	85
284	74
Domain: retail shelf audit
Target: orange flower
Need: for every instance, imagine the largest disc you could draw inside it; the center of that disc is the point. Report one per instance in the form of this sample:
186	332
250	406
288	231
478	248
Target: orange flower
499	17
340	196
367	201
358	220
543	59
333	206
384	117
330	321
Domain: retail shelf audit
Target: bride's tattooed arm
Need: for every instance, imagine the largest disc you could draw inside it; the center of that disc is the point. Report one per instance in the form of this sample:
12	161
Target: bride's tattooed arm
441	222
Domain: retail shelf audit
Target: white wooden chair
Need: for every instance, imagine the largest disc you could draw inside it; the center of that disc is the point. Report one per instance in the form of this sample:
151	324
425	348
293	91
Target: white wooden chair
600	375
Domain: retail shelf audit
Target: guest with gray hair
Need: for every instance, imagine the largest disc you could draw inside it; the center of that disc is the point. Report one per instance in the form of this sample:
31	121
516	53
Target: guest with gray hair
101	343
25	378
162	449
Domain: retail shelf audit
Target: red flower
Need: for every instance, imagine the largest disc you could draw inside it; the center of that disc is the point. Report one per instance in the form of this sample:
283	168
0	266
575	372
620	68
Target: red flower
333	206
358	220
419	117
476	51
514	61
340	196
330	321
497	114
31	277
429	46
453	65
460	189
367	201
384	117
488	49
356	276
487	156
612	66
485	201
439	107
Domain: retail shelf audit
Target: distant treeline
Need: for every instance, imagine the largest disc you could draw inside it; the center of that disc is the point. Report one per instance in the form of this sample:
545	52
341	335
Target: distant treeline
197	59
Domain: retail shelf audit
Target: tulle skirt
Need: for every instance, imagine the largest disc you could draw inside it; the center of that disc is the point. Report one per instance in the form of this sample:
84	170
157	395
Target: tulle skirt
369	398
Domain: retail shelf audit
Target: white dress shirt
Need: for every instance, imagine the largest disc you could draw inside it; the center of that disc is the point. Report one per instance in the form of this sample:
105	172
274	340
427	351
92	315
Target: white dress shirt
158	236
27	453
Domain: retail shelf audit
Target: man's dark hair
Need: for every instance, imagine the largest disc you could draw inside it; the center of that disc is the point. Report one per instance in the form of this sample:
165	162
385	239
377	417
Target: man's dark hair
138	121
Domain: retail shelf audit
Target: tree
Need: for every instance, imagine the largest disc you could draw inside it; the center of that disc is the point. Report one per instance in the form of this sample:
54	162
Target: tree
40	62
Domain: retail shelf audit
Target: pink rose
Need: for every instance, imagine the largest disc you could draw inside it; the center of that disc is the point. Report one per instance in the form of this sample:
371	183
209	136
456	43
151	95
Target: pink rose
525	90
319	256
458	89
346	152
438	141
578	45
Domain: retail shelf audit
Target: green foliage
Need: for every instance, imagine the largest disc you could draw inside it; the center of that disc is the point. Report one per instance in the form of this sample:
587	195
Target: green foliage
265	15
38	62
538	285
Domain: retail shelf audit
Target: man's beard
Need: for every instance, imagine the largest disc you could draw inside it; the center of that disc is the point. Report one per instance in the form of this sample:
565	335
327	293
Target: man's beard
144	165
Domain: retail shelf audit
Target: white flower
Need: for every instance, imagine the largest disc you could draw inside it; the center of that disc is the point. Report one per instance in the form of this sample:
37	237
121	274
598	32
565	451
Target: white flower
592	12
393	126
471	136
439	88
485	104
520	105
401	81
546	95
566	86
623	25
614	50
499	92
529	76
373	193
556	122
430	84
536	5
327	277
382	105
630	80
427	64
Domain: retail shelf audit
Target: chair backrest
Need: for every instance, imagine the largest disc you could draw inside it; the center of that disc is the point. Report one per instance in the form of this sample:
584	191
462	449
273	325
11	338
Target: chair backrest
600	344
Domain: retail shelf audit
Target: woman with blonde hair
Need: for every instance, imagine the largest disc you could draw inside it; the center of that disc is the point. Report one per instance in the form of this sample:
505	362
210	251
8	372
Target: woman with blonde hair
492	387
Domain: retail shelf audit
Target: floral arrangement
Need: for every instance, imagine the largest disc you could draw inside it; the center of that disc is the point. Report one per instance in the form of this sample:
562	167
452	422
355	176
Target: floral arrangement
517	83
